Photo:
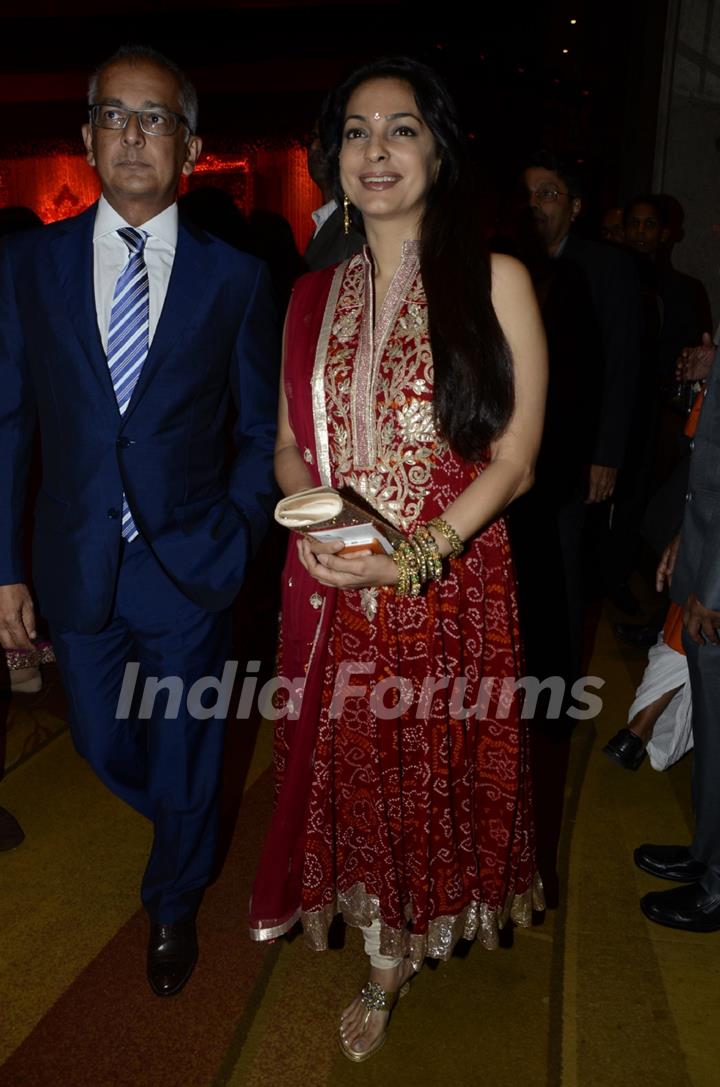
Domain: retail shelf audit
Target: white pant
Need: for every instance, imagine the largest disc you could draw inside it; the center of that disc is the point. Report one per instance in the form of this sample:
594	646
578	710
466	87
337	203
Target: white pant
371	937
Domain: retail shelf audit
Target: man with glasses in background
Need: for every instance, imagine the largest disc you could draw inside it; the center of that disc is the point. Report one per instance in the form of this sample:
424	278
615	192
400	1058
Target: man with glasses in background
126	332
590	300
555	200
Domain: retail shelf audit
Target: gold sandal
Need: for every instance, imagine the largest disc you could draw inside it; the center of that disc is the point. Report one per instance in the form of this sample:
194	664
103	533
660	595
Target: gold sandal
373	998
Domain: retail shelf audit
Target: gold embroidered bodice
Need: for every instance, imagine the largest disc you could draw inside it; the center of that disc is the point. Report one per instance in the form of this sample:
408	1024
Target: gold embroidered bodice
372	390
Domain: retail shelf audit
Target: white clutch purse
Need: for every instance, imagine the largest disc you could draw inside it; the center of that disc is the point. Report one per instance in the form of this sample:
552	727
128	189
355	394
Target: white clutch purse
327	514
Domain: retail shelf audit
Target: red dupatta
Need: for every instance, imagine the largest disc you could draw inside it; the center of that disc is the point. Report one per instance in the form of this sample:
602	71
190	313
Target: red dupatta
307	609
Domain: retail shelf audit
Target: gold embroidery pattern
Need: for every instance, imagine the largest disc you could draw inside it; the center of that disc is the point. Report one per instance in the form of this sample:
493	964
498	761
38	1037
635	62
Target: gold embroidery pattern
318	378
399	411
369	602
477	921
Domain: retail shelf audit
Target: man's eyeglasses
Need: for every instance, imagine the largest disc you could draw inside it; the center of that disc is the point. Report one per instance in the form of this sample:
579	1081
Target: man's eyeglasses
548	194
153	122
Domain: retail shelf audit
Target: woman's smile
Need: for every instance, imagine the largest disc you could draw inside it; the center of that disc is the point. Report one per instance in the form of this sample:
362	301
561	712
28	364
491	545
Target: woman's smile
388	157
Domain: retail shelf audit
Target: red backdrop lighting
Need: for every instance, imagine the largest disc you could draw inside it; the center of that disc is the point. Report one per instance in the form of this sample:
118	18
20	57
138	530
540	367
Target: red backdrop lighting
58	185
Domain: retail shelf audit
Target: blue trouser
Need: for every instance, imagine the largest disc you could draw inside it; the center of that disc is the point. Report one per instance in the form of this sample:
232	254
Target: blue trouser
166	767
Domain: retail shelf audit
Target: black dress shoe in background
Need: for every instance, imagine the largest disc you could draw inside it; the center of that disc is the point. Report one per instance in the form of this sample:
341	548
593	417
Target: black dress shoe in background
691	908
669	862
172	954
626	749
11	833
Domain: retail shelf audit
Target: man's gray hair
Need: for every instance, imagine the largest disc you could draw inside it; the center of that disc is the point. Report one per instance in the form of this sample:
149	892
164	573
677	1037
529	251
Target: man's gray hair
135	53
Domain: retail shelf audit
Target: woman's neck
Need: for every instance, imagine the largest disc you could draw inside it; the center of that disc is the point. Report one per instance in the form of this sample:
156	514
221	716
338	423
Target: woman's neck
386	244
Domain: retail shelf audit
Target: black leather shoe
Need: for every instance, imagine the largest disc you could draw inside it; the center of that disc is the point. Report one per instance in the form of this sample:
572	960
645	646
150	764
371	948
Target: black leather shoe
626	749
669	862
691	908
11	833
172	954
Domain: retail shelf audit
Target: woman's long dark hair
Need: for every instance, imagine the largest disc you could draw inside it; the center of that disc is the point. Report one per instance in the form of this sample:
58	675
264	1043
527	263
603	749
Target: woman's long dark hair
474	390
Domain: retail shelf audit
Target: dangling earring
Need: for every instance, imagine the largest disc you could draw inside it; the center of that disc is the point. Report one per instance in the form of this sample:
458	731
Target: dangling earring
346	214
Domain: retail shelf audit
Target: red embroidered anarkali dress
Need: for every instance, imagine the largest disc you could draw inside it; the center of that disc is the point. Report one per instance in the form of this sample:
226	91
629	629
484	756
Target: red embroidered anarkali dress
422	820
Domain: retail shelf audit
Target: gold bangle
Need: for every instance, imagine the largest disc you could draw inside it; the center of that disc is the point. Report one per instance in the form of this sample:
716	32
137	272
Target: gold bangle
403	583
418	560
406	560
453	538
400	584
414	569
431	552
421	558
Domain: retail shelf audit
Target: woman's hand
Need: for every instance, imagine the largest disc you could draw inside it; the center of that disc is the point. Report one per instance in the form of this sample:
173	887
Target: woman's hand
358	571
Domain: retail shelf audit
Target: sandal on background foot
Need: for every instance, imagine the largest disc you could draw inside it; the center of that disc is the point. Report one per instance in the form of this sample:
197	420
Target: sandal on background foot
373	998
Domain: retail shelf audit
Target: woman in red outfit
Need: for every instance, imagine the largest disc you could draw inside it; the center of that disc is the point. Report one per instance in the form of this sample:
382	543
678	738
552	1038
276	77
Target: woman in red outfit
414	374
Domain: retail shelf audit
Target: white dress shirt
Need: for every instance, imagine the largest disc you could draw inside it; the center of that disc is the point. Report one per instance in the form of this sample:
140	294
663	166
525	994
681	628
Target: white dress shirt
559	251
110	255
321	215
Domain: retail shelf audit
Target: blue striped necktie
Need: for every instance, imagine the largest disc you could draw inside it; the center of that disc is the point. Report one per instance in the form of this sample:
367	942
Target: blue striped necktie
128	335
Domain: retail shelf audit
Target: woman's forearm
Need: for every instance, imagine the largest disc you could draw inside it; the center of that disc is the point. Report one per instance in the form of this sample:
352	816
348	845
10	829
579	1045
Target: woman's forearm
291	471
486	497
510	472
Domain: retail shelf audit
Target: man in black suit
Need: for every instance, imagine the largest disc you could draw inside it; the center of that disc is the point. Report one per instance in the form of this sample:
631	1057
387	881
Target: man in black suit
590	299
555	200
330	244
684	310
695	584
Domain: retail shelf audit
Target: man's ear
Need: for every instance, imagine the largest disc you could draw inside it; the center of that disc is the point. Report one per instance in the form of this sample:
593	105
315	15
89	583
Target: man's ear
87	135
192	153
576	207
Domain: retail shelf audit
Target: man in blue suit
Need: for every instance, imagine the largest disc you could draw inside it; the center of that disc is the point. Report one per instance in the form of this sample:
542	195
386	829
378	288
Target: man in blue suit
125	332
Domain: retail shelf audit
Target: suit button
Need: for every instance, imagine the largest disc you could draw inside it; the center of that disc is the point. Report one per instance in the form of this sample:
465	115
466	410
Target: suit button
692	444
113	513
688	496
124	443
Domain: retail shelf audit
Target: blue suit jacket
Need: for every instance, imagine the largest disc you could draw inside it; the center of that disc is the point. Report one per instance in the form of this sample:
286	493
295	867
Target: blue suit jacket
217	336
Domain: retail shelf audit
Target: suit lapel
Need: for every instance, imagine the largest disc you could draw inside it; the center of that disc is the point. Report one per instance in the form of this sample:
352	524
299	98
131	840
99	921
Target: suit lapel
72	254
191	273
